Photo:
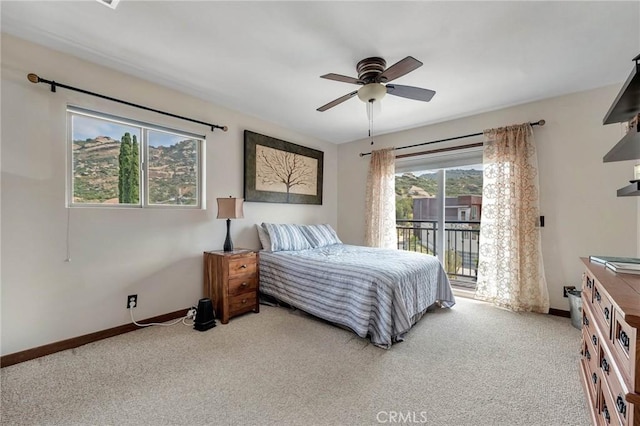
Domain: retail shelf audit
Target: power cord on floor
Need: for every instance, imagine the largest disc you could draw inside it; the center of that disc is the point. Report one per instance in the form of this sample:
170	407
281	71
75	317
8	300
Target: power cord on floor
191	314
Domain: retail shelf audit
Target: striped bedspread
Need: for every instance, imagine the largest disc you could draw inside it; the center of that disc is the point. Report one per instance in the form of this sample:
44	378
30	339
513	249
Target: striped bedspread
375	292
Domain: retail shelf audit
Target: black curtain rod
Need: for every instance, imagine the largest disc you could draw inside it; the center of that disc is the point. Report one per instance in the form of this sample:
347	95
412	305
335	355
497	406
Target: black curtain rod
537	123
35	79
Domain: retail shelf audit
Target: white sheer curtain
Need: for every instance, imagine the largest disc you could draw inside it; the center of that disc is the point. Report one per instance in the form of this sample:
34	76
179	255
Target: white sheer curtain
510	268
380	215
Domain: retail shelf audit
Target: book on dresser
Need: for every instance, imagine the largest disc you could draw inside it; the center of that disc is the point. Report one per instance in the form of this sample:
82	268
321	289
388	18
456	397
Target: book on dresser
623	268
616	259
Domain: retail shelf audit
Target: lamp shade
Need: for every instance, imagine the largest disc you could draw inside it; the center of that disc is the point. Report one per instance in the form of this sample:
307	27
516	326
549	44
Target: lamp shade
230	208
372	91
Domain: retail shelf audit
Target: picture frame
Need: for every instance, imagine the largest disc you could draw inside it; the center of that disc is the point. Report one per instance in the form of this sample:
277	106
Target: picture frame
276	171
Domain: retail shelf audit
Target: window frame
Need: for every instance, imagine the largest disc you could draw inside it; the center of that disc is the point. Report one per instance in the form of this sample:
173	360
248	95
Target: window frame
144	127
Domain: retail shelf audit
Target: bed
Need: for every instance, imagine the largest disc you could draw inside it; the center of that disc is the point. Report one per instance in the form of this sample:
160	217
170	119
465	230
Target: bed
375	292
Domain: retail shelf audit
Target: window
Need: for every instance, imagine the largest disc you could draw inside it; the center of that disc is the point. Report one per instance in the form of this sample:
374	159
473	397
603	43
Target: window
119	162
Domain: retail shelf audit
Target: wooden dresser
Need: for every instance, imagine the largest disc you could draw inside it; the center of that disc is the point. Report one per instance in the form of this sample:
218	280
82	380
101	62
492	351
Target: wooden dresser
231	282
610	362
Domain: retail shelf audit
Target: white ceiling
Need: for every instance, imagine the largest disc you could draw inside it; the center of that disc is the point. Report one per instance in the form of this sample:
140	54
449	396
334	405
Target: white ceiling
264	58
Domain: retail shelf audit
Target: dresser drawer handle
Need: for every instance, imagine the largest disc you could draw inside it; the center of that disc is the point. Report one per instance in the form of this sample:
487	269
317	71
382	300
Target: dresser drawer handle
594	378
244	301
243	285
587	354
624	339
598	298
621	406
594	339
605	365
606	313
589	283
243	266
585	321
607	417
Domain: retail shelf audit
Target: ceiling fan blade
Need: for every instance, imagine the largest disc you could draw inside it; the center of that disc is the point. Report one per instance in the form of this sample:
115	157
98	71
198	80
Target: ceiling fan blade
410	92
337	101
399	69
342	78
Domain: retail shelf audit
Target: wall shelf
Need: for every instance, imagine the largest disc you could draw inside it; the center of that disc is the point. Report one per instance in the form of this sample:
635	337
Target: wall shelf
627	103
627	149
625	108
630	190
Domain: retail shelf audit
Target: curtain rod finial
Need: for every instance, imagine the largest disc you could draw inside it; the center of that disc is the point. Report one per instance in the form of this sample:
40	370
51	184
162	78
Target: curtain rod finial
541	122
33	78
225	128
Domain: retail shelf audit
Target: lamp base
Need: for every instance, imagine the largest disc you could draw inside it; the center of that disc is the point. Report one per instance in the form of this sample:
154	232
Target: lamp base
228	245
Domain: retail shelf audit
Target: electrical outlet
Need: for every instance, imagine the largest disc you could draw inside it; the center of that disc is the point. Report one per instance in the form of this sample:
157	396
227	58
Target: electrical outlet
132	299
565	289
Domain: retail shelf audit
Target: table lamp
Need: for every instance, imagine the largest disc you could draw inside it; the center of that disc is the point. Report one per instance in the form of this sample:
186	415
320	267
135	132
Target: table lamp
229	208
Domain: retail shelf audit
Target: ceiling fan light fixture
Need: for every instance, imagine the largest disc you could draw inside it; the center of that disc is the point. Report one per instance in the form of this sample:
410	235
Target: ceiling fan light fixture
372	92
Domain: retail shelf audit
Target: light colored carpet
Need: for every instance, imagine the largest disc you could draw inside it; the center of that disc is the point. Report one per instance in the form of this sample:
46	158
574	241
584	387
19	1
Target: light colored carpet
470	365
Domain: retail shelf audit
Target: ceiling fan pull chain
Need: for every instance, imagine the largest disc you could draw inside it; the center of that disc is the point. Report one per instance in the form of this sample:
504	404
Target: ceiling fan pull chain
370	113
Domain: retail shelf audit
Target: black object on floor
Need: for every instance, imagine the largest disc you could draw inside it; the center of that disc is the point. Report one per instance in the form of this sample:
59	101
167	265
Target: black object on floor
205	317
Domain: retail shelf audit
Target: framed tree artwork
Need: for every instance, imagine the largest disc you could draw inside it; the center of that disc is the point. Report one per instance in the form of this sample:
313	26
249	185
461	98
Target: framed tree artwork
276	171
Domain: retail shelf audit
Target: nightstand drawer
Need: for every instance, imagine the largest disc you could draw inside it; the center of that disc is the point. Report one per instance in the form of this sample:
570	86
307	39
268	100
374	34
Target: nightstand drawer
242	303
242	285
245	265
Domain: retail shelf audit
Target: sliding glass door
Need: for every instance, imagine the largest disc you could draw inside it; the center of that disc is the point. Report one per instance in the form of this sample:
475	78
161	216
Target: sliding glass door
438	211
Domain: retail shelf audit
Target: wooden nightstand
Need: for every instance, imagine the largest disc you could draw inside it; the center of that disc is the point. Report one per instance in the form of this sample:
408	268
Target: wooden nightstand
231	282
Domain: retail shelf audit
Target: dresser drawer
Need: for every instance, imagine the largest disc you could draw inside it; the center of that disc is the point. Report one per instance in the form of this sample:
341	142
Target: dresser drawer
624	338
614	405
590	362
588	323
240	285
245	265
242	303
587	287
607	410
603	308
620	405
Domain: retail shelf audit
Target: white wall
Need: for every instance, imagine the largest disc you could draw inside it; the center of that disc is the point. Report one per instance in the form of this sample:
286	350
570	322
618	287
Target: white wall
583	216
114	252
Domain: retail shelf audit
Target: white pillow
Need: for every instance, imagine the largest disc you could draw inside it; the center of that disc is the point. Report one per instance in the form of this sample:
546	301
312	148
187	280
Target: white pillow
265	241
286	237
320	235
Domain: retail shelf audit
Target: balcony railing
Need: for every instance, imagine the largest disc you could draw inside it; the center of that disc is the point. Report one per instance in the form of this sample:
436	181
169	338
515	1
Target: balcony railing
462	241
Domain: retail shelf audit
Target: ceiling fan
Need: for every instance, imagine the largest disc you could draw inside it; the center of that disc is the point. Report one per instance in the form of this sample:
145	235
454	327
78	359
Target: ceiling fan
374	77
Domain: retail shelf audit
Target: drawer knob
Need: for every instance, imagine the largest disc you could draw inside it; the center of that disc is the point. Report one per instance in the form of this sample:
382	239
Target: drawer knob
594	339
589	283
621	406
243	266
243	285
605	365
244	301
585	321
587	354
606	313
594	378
598	298
624	339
